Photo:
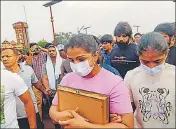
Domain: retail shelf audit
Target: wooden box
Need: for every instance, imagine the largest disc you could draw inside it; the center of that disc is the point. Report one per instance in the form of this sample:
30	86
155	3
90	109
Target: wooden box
92	106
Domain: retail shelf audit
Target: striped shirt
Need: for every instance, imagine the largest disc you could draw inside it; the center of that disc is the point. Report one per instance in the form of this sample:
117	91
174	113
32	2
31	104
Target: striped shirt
37	64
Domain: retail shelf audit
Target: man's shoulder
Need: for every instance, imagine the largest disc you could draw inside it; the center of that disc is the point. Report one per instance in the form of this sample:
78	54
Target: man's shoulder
172	48
133	45
26	66
115	50
12	76
6	73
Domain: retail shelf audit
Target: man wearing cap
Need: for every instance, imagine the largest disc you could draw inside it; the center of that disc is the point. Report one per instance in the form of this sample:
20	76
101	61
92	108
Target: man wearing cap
106	42
124	55
65	67
60	48
168	31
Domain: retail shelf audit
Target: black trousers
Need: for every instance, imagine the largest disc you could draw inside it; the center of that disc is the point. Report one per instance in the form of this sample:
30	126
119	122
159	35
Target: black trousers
47	106
24	124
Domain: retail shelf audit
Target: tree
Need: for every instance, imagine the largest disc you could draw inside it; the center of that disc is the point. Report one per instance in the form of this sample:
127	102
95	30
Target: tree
62	37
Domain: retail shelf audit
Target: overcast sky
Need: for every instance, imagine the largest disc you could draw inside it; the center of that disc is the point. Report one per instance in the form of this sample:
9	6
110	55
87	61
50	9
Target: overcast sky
102	16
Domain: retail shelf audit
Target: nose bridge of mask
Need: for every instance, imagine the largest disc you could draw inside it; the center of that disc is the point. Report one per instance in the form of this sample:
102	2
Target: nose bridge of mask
82	68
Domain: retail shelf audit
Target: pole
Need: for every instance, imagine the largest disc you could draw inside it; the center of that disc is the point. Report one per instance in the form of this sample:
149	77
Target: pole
25	13
136	28
52	21
86	30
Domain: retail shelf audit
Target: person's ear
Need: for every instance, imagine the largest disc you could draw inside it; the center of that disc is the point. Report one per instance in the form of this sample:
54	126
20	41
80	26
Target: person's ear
96	55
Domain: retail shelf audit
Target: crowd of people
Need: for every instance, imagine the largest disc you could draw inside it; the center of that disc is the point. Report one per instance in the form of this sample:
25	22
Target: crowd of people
138	75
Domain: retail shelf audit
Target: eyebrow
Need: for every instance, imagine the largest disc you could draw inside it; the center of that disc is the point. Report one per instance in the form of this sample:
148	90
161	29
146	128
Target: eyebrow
152	61
78	56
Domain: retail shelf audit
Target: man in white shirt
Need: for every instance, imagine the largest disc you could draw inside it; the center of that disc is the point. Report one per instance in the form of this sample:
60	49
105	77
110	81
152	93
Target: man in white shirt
11	86
9	59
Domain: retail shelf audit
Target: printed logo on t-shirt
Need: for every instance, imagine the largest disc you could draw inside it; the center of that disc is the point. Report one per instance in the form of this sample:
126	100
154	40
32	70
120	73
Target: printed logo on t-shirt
154	104
2	104
122	60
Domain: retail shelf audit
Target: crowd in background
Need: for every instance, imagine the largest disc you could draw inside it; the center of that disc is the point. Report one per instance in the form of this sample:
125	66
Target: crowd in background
137	73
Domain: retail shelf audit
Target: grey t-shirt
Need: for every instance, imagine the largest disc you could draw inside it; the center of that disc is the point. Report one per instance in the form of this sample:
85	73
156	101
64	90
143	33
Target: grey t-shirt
27	74
65	67
11	86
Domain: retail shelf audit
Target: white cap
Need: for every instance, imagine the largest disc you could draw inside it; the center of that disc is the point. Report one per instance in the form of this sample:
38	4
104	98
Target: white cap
60	47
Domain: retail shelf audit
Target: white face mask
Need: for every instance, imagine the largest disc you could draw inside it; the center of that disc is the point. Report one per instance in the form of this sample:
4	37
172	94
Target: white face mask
82	68
153	71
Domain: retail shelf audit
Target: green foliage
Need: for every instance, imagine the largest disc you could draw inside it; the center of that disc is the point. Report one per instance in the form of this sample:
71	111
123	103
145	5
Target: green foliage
42	44
25	50
62	37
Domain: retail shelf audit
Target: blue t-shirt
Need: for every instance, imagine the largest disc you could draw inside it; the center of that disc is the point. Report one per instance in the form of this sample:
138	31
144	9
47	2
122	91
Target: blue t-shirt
106	57
110	69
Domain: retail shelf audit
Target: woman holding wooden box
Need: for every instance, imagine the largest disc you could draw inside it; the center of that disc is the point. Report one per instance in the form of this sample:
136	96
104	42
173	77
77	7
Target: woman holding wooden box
83	52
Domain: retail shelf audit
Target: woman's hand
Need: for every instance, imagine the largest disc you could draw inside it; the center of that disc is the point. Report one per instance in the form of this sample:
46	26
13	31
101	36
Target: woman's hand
76	122
65	115
115	118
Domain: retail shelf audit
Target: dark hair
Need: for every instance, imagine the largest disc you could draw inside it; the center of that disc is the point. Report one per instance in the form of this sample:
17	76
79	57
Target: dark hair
97	40
32	44
100	59
51	46
88	42
123	28
106	38
167	28
48	45
27	53
138	34
154	41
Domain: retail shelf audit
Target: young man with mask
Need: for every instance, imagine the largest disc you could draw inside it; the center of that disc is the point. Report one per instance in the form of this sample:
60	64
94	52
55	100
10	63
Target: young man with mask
168	31
10	61
124	56
51	72
106	42
9	93
36	58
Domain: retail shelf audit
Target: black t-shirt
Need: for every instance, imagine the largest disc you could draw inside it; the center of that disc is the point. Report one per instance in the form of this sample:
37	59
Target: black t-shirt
125	59
171	59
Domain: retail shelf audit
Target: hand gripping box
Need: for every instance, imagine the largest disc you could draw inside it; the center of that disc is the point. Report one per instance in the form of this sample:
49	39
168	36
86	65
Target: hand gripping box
92	106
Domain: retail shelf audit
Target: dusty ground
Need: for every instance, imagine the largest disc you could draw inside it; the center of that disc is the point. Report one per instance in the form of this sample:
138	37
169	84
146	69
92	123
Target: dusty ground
48	124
